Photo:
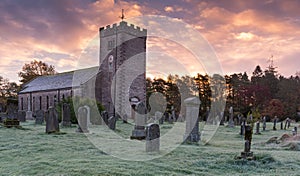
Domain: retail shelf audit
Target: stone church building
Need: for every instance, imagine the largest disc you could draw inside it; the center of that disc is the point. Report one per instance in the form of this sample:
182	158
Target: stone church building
119	78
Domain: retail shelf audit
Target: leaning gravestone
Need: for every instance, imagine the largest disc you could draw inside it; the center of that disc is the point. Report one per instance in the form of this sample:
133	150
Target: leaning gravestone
39	117
82	120
112	122
152	137
192	119
22	116
66	115
52	125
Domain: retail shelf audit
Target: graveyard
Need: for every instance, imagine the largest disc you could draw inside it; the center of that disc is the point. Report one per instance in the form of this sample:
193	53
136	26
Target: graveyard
30	151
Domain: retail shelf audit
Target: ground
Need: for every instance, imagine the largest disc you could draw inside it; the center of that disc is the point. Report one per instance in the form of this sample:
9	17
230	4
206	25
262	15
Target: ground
29	151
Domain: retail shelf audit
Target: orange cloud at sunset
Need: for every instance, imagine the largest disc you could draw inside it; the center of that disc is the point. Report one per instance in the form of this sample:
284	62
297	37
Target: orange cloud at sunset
243	33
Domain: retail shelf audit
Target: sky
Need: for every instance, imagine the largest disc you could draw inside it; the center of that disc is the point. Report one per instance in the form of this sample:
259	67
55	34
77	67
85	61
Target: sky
242	34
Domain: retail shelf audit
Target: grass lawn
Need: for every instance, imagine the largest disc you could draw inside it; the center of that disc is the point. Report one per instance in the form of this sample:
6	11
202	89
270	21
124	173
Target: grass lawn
29	151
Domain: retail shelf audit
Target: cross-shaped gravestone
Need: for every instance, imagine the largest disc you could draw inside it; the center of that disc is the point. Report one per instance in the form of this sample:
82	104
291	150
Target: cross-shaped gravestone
152	137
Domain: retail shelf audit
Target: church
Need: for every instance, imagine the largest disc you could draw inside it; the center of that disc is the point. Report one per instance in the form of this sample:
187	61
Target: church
119	79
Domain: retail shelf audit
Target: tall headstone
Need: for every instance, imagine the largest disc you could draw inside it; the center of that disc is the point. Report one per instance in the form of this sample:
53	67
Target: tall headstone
39	117
66	115
140	122
159	117
243	125
247	148
287	123
281	125
231	122
192	119
22	116
257	127
29	112
274	123
52	125
264	123
82	120
88	115
152	137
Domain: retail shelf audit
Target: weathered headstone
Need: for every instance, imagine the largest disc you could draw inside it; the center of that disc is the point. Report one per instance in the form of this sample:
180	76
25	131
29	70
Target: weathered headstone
112	122
29	112
264	123
88	109
159	117
39	117
287	123
231	122
22	116
52	125
247	154
192	119
274	125
173	115
281	125
243	125
82	120
152	137
66	115
257	127
294	131
140	122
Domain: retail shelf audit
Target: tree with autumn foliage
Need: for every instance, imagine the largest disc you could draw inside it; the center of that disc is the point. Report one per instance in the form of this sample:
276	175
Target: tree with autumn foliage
33	69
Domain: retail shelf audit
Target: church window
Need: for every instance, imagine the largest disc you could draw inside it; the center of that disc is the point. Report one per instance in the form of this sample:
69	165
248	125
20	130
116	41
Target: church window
110	45
22	104
47	102
40	102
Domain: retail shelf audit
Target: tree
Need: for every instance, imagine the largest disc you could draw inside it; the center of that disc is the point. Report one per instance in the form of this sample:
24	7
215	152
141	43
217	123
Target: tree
33	69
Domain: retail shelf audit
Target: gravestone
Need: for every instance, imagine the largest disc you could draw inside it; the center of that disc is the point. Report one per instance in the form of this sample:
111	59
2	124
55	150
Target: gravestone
82	120
66	115
159	117
247	154
274	125
39	117
180	118
52	125
231	122
112	122
104	115
152	137
257	127
173	115
29	112
140	122
287	123
281	125
22	116
264	123
243	124
294	131
88	115
192	120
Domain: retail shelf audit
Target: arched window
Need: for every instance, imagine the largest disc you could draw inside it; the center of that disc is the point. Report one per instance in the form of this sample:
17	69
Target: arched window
40	102
47	102
22	103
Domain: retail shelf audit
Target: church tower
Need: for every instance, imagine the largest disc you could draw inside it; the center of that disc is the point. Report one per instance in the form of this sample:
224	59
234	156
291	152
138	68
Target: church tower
122	55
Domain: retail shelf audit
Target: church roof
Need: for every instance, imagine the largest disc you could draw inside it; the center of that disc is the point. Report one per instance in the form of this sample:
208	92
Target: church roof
60	81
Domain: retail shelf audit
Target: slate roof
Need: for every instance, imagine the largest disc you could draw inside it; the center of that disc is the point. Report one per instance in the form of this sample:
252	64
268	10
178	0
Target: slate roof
60	80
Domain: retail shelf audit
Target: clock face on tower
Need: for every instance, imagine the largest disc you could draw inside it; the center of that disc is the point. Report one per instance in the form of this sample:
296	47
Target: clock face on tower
110	62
